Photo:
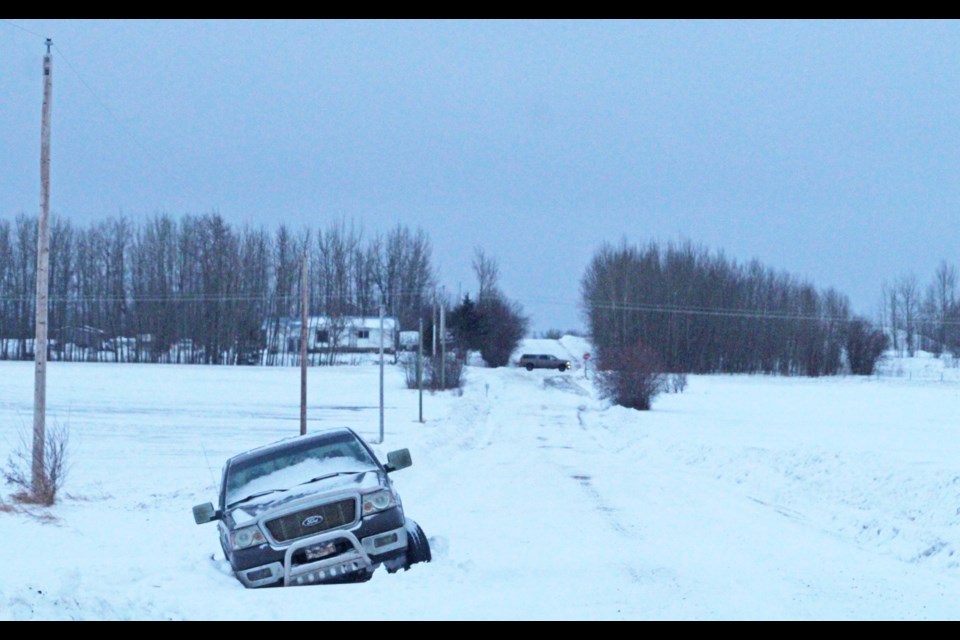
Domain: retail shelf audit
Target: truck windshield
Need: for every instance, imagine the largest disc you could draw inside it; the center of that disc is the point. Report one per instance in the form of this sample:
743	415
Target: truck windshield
281	468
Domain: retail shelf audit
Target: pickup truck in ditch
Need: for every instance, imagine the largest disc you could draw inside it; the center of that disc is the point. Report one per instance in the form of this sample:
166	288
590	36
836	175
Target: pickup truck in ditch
318	508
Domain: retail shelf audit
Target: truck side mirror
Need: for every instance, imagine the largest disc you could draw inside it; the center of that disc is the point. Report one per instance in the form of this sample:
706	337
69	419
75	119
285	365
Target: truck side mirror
399	459
204	513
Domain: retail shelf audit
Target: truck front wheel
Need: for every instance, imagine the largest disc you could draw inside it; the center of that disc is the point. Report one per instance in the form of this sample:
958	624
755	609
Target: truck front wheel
418	547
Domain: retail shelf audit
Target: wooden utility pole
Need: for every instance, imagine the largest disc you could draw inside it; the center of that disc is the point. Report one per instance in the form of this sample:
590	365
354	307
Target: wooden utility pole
381	367
420	366
38	477
443	341
304	300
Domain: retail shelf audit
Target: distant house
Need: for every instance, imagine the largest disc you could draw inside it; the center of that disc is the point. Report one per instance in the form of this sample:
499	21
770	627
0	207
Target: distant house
346	334
85	337
409	340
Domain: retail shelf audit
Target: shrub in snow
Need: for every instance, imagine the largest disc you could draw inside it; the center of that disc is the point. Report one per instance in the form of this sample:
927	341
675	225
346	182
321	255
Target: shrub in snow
865	345
677	382
452	375
494	327
452	372
410	369
502	326
18	471
631	376
464	323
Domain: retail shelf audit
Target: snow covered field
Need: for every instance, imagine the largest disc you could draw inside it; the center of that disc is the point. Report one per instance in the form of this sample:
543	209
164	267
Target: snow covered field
745	497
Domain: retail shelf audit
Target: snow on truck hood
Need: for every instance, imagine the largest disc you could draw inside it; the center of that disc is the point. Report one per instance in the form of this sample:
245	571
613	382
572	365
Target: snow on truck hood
289	484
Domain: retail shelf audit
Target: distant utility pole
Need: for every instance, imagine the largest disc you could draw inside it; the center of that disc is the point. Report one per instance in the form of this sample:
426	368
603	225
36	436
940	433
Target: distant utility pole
443	343
420	366
433	326
304	301
38	477
381	366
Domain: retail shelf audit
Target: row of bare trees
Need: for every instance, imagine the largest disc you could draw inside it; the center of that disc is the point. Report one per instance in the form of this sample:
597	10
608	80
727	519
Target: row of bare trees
923	318
196	289
701	312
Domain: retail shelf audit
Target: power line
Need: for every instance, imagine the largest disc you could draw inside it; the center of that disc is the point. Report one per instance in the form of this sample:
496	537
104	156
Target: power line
127	130
722	312
612	306
165	167
715	311
24	29
90	89
200	297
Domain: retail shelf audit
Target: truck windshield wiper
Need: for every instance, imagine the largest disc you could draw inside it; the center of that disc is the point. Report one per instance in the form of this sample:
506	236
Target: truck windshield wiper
263	493
329	475
252	496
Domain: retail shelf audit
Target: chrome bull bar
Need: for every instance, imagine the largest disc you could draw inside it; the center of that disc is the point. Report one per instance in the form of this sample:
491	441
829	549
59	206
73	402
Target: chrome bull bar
353	560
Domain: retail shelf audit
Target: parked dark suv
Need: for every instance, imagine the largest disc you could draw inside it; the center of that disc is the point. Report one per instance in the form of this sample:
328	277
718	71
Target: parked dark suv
313	509
543	361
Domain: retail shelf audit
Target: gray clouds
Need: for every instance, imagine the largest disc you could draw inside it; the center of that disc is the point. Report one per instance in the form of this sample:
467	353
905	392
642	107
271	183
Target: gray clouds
823	148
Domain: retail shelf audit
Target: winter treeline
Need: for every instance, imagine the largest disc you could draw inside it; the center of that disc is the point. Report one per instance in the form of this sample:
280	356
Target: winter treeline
196	289
923	318
702	313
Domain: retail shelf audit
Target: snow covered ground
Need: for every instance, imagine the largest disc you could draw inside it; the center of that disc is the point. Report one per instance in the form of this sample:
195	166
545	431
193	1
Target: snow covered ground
745	497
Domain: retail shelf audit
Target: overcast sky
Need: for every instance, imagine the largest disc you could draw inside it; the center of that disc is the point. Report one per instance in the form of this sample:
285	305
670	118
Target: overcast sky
826	149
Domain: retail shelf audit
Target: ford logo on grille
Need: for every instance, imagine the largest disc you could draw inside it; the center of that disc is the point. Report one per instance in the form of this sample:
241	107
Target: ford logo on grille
312	521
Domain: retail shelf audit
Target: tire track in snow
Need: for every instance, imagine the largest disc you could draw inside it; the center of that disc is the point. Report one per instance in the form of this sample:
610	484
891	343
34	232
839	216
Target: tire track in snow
570	445
602	507
570	423
550	421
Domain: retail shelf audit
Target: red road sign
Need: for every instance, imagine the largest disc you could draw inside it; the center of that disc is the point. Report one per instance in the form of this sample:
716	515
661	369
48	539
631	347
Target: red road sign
586	356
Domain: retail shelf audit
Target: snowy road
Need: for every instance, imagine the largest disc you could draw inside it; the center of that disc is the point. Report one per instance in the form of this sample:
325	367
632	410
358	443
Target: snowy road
742	498
656	537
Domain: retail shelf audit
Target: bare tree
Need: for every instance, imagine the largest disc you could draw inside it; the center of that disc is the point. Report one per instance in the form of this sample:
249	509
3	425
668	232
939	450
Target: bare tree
286	269
705	313
887	316
908	301
488	274
197	289
941	298
333	284
8	289
405	275
25	282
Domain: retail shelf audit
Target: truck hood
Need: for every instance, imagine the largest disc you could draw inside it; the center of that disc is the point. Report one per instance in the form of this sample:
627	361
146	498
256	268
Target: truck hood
344	482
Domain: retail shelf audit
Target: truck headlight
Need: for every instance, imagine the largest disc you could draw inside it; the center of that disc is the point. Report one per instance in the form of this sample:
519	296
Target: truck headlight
247	537
378	501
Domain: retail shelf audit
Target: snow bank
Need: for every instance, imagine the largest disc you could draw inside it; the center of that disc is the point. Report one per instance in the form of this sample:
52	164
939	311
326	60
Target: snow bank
745	497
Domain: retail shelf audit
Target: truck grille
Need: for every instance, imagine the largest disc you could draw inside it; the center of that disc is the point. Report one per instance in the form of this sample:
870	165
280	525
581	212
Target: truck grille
319	518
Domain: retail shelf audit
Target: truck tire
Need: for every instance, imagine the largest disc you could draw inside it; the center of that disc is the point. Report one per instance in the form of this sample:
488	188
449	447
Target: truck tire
529	367
418	547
